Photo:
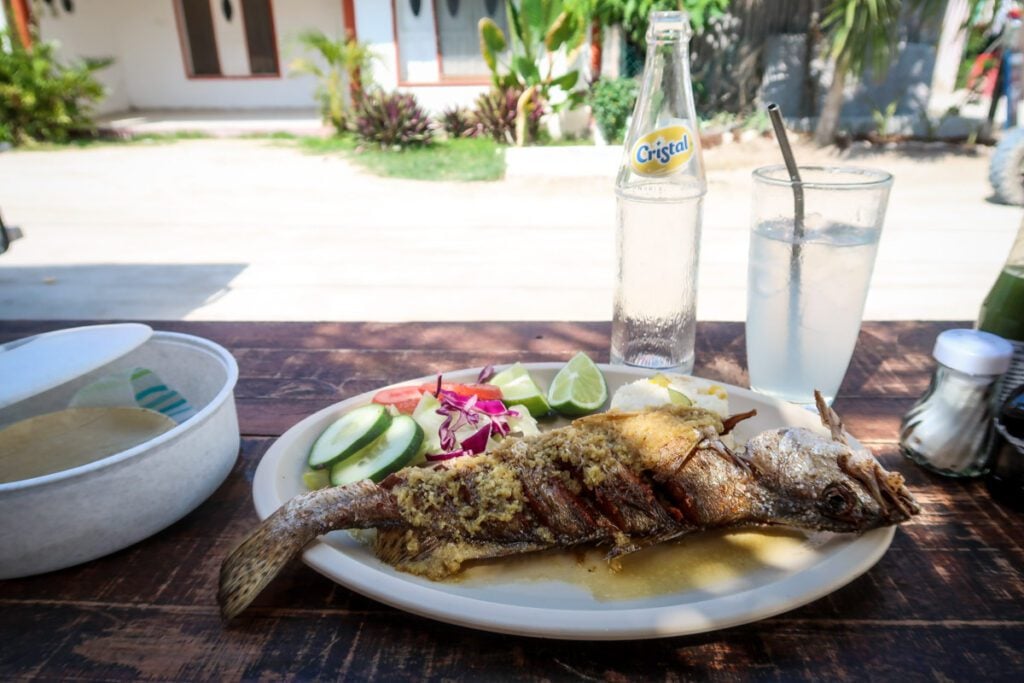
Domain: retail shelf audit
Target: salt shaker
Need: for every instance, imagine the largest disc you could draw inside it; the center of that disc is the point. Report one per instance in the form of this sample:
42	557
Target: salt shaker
945	430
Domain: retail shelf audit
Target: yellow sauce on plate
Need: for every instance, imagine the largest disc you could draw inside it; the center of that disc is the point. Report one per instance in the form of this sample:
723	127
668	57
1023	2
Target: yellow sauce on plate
702	561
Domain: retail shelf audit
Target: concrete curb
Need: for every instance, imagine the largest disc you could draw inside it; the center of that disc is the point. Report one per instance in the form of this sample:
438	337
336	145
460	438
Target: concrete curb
597	161
562	162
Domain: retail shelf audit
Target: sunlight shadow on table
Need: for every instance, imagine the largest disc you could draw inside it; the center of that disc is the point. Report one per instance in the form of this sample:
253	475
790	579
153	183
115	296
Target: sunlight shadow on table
112	290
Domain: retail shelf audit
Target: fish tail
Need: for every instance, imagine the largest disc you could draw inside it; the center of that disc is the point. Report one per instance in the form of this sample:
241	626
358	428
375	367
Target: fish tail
283	535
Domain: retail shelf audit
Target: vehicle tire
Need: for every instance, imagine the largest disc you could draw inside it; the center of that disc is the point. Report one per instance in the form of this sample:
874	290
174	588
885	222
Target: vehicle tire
1006	170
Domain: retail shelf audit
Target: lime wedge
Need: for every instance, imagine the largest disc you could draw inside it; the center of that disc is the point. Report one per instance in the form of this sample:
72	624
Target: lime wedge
525	392
578	388
519	389
509	374
678	398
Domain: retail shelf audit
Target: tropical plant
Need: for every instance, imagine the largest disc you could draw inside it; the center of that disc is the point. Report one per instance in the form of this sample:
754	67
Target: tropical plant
633	15
458	122
883	116
497	112
538	29
612	100
42	99
392	120
339	62
861	34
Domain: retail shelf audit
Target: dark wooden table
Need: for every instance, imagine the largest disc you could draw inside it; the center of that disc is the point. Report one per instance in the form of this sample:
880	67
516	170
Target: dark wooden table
946	602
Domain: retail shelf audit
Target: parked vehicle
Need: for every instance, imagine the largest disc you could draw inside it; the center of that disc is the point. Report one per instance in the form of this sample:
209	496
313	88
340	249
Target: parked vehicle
1006	169
7	235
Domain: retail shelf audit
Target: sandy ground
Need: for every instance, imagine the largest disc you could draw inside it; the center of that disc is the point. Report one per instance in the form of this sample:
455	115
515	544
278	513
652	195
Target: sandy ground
254	230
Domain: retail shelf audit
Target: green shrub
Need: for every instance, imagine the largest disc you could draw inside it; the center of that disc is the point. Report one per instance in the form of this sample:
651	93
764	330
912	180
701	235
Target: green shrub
538	30
459	122
337	62
44	100
496	112
392	120
611	101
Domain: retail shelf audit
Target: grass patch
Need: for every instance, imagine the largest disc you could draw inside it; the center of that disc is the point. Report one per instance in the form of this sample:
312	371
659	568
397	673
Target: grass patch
567	141
106	140
276	135
465	159
169	137
333	144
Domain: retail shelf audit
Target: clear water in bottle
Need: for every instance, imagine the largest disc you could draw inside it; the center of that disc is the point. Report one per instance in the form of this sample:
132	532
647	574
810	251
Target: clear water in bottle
655	307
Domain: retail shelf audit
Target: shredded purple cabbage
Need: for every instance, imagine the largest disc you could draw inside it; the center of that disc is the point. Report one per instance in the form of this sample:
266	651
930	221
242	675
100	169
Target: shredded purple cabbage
489	416
485	374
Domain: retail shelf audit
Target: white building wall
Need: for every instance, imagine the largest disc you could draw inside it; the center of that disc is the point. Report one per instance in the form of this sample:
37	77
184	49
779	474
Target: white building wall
149	71
89	32
231	47
417	42
375	26
149	68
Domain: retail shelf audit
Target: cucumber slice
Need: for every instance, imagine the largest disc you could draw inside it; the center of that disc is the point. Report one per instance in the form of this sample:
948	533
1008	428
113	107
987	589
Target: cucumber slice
389	453
316	479
350	433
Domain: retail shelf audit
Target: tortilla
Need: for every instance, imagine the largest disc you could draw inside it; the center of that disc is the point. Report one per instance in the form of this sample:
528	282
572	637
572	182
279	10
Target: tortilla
68	438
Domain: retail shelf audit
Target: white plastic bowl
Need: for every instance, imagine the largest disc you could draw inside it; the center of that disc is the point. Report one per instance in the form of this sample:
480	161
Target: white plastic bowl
79	514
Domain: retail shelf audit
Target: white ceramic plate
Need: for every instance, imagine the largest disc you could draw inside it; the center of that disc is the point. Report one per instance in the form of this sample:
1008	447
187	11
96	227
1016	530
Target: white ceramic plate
555	609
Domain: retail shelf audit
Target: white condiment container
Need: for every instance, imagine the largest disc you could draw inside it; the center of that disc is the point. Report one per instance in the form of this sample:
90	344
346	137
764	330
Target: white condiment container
946	429
79	514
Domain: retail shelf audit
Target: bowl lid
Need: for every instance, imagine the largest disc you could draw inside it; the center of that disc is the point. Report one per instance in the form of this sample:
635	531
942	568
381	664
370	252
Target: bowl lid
35	364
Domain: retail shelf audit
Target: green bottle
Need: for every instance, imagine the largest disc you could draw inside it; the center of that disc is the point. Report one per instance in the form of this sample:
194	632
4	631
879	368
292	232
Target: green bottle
1002	312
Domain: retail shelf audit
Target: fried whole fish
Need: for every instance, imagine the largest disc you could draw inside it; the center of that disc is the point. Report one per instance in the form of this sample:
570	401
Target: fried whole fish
619	480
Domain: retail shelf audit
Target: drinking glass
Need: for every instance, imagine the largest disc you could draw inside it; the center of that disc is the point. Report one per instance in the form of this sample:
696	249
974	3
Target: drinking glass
807	279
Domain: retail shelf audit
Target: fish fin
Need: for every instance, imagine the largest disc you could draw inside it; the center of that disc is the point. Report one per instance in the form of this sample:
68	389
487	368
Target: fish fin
436	558
635	544
729	423
283	535
830	418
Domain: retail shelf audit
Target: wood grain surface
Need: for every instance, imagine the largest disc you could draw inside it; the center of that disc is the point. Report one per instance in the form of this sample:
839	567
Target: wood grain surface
946	602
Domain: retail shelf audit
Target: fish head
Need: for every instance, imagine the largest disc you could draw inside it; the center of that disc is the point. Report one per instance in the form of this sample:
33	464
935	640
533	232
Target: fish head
816	482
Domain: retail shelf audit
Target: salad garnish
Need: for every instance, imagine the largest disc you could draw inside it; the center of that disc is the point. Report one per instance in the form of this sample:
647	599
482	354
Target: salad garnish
489	416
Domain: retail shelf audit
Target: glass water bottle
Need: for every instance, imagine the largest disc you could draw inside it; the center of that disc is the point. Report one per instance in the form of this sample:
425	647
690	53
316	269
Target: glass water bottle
660	192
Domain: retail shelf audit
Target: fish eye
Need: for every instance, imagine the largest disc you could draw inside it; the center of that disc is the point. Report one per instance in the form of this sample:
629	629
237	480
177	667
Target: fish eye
837	500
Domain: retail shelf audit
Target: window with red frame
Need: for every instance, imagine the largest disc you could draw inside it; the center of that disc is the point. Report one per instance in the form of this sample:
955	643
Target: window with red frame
213	43
439	40
458	34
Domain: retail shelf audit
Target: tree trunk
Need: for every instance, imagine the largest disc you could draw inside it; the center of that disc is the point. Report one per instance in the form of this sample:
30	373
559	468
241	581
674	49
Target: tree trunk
24	23
355	85
596	49
809	91
828	121
950	51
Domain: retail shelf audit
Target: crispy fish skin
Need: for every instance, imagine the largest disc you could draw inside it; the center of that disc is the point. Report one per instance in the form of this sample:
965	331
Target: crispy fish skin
619	480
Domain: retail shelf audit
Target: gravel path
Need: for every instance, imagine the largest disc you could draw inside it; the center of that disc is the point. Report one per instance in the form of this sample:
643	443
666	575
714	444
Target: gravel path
256	230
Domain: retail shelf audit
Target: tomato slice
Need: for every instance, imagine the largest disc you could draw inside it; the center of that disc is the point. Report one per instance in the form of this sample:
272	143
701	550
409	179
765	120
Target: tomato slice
403	399
484	392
